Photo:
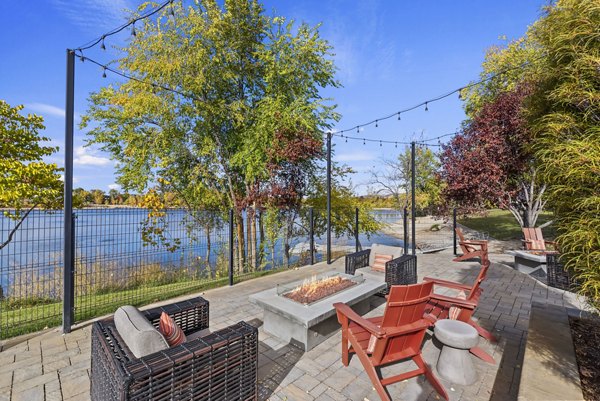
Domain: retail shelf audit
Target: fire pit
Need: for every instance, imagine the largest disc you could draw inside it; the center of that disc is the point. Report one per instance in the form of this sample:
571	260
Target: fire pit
317	289
302	312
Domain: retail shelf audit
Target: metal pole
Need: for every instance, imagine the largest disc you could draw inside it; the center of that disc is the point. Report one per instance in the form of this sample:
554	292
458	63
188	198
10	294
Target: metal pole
68	234
405	224
454	229
412	190
311	233
230	246
356	230
329	198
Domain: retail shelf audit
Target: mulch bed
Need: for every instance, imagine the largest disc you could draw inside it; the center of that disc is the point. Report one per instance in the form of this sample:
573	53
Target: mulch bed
586	339
309	293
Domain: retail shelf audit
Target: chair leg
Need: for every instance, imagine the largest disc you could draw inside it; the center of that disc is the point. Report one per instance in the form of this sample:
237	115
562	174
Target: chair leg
483	332
345	351
372	373
481	354
430	376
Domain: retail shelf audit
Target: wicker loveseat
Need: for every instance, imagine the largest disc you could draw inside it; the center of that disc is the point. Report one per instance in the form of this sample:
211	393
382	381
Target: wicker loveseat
219	366
401	270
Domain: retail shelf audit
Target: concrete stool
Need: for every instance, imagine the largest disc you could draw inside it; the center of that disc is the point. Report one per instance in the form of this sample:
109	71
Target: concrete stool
455	362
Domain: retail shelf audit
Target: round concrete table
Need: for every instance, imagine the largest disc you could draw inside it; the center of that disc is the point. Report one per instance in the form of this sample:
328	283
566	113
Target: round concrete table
454	363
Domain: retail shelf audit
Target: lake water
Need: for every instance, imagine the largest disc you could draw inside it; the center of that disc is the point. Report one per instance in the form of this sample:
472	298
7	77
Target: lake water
113	237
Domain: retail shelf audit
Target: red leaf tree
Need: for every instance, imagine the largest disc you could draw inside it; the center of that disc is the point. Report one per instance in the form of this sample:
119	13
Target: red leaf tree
489	164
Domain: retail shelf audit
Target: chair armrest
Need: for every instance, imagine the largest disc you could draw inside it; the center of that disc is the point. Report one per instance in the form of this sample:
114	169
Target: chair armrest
447	283
191	315
346	313
419	325
462	303
474	242
357	260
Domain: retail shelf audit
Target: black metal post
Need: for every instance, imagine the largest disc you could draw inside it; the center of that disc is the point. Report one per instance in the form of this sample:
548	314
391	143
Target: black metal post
311	233
68	234
412	190
405	225
454	230
356	231
329	198
230	246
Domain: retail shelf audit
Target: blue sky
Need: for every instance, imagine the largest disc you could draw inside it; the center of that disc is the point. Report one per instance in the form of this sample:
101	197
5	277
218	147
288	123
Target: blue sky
390	55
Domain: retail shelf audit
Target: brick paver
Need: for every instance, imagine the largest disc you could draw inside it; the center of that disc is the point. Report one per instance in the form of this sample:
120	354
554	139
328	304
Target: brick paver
52	366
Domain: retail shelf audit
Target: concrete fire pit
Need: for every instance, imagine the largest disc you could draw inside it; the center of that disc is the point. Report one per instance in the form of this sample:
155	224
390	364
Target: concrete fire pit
308	325
531	263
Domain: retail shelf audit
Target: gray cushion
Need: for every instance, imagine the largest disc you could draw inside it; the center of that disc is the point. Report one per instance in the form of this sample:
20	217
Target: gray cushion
395	251
139	334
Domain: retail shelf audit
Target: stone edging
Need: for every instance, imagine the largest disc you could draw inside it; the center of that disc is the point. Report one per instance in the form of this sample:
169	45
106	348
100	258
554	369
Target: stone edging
549	366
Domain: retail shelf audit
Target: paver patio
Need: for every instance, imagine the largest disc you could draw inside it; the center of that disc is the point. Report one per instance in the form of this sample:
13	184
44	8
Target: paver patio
52	366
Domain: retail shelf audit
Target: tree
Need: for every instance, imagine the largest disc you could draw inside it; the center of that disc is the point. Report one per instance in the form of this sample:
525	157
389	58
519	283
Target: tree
98	196
395	180
243	78
565	115
489	164
26	181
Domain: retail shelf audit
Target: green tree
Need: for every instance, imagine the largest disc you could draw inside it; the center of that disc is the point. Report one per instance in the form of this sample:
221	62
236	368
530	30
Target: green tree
98	196
245	78
395	179
565	113
26	181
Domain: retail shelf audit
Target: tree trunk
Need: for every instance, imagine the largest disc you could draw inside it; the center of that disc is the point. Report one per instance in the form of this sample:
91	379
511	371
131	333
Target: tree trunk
251	229
261	233
241	254
208	246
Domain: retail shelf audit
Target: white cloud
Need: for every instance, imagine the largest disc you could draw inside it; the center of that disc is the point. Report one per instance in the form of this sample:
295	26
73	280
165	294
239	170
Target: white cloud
62	178
114	186
87	157
354	157
94	16
49	110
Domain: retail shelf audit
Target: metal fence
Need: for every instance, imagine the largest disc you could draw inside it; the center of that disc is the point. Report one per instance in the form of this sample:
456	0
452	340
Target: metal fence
139	256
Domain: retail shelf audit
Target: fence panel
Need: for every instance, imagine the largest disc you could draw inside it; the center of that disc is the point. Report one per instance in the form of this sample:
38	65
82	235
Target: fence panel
31	273
136	256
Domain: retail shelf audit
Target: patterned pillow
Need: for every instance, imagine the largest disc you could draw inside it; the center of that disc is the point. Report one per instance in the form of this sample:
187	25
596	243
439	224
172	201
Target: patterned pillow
170	330
380	261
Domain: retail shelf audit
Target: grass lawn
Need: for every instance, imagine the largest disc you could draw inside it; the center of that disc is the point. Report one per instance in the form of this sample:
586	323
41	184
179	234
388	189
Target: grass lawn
501	225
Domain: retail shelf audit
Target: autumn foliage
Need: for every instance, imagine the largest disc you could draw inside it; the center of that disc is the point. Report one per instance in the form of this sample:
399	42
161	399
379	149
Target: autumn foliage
484	164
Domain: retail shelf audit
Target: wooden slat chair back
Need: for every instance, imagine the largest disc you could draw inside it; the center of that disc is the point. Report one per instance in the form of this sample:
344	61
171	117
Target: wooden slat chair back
397	335
534	239
470	248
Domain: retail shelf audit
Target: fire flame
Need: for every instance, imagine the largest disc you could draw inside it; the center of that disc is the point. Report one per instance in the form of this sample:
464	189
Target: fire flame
310	286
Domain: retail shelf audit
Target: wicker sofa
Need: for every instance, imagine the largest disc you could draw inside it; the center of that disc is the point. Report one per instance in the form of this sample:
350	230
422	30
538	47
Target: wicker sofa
401	270
219	366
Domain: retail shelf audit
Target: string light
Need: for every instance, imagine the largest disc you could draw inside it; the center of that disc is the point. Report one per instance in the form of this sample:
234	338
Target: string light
102	44
440	97
376	124
133	33
104	72
132	21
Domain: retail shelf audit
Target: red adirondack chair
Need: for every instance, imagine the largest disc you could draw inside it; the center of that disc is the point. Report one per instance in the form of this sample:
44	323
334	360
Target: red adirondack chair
395	336
439	306
470	248
534	239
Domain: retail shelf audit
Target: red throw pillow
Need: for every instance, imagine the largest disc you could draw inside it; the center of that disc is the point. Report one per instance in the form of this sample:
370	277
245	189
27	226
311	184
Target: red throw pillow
380	261
170	330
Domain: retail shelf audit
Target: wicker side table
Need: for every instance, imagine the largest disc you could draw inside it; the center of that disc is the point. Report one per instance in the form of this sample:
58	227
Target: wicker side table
557	275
